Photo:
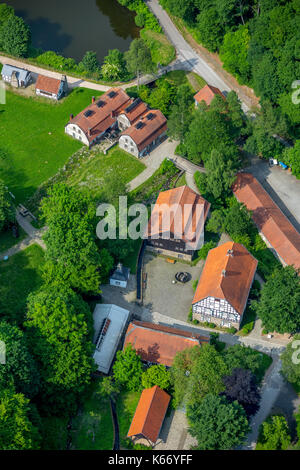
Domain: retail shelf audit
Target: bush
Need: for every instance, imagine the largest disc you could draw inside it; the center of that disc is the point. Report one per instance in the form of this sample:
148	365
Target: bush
190	315
167	167
195	284
203	252
232	330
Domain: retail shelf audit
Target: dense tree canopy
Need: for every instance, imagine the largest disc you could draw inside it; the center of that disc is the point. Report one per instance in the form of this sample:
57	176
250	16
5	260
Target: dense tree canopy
274	434
281	293
7	212
291	361
72	254
156	375
20	369
128	369
217	424
15	36
241	386
138	58
60	331
16	429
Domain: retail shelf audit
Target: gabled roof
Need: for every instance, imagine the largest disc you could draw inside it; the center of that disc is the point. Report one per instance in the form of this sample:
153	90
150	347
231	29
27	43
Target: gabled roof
207	94
273	224
7	70
121	273
134	110
228	274
99	116
48	84
150	126
159	344
150	413
192	206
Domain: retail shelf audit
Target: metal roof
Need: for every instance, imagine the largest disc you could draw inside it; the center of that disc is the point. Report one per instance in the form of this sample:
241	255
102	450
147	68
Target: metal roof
7	70
107	334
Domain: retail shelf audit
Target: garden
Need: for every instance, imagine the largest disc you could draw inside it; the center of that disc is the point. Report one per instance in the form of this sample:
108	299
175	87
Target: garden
33	141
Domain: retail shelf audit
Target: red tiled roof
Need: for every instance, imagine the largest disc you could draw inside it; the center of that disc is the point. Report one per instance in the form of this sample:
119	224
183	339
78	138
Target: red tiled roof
239	267
101	118
273	224
149	130
159	344
136	112
48	84
150	413
188	203
207	94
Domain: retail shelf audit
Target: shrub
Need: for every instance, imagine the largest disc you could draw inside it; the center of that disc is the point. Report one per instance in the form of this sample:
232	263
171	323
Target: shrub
203	252
190	315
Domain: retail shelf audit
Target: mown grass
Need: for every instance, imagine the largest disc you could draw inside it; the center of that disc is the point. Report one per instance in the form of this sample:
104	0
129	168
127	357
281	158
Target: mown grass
33	140
7	240
92	428
162	51
126	406
20	275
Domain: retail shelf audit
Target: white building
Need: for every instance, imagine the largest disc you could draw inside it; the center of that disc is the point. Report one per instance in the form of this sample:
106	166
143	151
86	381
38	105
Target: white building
120	276
51	88
109	324
15	76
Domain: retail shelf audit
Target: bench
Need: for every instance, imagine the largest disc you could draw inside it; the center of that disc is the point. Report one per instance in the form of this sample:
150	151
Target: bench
170	260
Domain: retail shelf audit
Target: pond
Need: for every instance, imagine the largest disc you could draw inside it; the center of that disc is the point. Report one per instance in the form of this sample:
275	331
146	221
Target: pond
72	27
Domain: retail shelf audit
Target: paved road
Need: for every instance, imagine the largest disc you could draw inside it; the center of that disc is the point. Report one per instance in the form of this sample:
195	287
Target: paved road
189	58
272	385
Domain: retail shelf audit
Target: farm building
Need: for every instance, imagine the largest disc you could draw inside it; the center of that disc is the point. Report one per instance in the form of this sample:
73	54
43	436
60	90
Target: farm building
16	76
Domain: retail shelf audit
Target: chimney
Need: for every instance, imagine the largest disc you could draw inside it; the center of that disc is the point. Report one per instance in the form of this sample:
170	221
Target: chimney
71	117
230	253
89	131
224	273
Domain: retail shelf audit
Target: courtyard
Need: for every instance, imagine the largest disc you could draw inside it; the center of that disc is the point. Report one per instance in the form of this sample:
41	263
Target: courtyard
161	295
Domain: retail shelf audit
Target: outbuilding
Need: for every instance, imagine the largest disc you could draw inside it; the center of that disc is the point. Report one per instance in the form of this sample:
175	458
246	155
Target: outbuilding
120	276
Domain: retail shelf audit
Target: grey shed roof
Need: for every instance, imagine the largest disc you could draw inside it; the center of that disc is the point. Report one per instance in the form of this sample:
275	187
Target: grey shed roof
9	69
109	323
121	273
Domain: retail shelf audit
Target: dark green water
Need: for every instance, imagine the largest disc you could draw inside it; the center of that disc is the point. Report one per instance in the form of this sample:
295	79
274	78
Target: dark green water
72	27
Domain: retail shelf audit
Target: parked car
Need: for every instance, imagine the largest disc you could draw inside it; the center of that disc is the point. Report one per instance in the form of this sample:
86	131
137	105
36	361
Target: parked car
183	277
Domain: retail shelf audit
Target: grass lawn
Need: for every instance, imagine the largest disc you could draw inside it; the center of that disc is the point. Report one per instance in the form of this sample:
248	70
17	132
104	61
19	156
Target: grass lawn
33	142
162	51
20	275
54	433
126	406
92	429
180	77
98	172
181	181
7	240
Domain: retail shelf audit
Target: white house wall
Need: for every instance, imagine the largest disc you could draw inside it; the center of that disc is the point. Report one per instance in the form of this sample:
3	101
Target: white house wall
211	309
74	131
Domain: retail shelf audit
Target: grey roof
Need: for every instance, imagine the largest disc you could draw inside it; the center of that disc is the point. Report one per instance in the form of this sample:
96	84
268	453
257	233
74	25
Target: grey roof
121	273
9	69
109	323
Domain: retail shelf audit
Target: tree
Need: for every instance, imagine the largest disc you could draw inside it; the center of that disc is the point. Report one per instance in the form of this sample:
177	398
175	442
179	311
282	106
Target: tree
72	256
156	375
138	58
90	62
16	430
293	158
238	220
234	53
128	369
274	434
197	372
15	36
220	175
291	361
60	333
180	115
217	424
241	386
20	369
114	66
5	12
244	357
7	212
109	388
209	29
280	293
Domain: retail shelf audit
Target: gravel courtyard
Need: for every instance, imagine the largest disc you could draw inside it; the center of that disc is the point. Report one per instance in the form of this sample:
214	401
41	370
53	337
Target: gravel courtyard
160	295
